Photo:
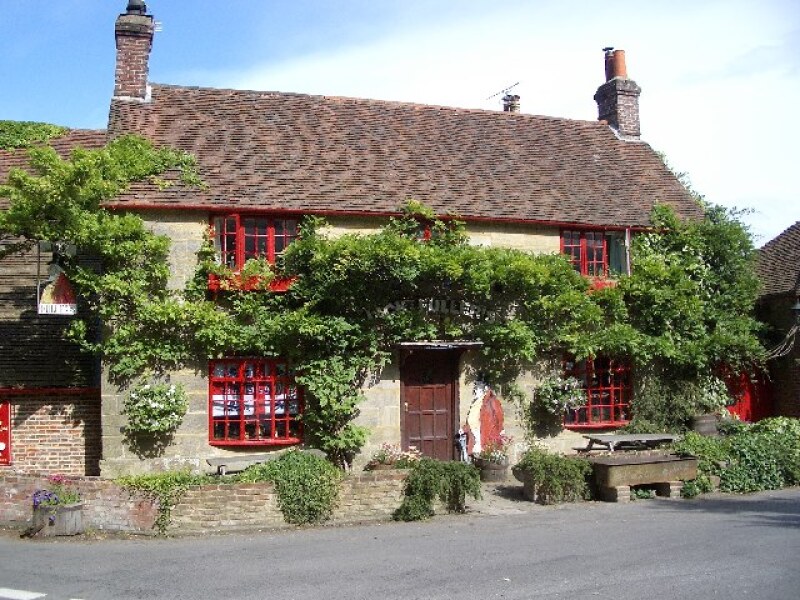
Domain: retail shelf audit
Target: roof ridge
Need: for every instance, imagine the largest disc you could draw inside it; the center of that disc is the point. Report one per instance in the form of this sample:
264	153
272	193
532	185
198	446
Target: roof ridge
400	103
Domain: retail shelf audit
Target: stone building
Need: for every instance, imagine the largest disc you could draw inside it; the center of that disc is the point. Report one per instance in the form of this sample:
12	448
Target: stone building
535	183
779	307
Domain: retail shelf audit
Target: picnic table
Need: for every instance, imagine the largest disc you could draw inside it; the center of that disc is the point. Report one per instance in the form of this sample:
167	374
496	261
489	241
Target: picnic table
613	441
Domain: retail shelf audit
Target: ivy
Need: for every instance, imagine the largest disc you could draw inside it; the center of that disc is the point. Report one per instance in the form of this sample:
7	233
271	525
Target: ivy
683	312
164	489
24	134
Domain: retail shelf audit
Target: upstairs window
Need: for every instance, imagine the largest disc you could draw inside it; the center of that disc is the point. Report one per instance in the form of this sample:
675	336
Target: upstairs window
596	253
238	238
253	402
607	384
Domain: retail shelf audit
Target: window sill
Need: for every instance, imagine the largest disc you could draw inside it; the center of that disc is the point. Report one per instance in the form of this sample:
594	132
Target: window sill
236	283
251	443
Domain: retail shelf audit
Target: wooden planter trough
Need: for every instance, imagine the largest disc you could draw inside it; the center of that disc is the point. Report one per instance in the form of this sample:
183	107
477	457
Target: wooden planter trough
614	475
63	519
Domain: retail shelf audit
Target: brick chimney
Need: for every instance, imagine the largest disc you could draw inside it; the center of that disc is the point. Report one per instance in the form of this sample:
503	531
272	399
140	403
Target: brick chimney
134	36
618	98
511	103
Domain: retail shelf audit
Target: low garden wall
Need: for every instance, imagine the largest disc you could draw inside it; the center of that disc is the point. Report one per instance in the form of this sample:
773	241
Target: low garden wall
109	507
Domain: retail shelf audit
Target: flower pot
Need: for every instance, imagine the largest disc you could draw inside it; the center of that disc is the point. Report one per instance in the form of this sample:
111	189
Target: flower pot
705	424
492	471
62	519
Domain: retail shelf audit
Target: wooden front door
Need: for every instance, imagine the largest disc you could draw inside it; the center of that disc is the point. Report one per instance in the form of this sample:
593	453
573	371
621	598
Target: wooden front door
428	394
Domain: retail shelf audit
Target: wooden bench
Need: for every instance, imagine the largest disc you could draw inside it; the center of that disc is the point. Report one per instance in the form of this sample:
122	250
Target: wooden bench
630	441
235	463
614	475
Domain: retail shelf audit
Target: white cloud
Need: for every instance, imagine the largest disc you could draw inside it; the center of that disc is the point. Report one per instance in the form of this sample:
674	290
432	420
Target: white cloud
720	81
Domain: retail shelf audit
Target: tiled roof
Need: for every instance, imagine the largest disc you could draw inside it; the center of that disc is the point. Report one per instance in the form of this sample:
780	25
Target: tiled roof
86	138
280	151
779	263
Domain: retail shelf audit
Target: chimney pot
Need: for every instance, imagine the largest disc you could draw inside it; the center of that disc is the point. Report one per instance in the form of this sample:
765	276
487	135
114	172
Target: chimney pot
618	98
511	103
136	7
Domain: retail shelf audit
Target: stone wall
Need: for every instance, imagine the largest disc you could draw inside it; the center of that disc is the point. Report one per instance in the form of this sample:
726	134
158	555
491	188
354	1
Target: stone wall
363	497
380	411
54	431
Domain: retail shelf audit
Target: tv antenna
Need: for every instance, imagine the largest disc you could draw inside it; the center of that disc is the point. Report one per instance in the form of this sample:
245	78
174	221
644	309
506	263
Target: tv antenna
504	90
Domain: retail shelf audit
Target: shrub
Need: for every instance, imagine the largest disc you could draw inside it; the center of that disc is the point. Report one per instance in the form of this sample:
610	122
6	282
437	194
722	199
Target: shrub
555	478
155	408
430	479
307	485
760	457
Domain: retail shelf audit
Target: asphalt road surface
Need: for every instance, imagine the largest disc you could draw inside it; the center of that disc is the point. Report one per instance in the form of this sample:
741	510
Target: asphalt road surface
726	547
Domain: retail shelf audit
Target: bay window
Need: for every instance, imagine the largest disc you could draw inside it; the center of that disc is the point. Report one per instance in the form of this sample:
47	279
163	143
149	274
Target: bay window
607	386
596	253
253	402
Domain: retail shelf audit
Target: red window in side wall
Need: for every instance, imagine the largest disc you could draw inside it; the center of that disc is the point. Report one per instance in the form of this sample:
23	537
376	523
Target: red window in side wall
253	402
607	383
5	433
238	238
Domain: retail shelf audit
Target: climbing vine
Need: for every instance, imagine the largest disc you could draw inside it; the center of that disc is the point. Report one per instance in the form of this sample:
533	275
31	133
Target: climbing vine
685	309
24	134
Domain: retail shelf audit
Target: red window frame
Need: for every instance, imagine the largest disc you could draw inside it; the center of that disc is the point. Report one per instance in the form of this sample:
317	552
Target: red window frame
253	402
5	432
608	388
240	237
587	250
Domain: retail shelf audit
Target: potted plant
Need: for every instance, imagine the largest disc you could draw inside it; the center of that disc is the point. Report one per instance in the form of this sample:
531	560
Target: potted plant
492	458
710	397
57	510
390	456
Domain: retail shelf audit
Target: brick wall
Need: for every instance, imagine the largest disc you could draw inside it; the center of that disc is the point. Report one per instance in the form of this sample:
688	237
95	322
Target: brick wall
134	35
363	497
785	371
106	506
54	431
618	104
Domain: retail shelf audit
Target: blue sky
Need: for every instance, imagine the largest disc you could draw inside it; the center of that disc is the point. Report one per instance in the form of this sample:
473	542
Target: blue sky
720	78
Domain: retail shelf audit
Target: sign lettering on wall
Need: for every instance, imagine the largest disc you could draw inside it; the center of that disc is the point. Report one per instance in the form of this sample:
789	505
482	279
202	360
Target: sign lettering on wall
57	297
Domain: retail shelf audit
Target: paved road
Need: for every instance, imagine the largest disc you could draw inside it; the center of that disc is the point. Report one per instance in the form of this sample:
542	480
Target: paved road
728	547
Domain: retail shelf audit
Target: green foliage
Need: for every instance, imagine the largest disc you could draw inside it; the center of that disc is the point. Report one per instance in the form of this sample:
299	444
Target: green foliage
60	200
355	297
691	293
165	489
24	134
764	456
661	403
307	485
555	478
450	482
155	408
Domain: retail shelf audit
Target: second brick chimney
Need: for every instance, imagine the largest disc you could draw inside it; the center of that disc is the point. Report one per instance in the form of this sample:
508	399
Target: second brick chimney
618	98
134	36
